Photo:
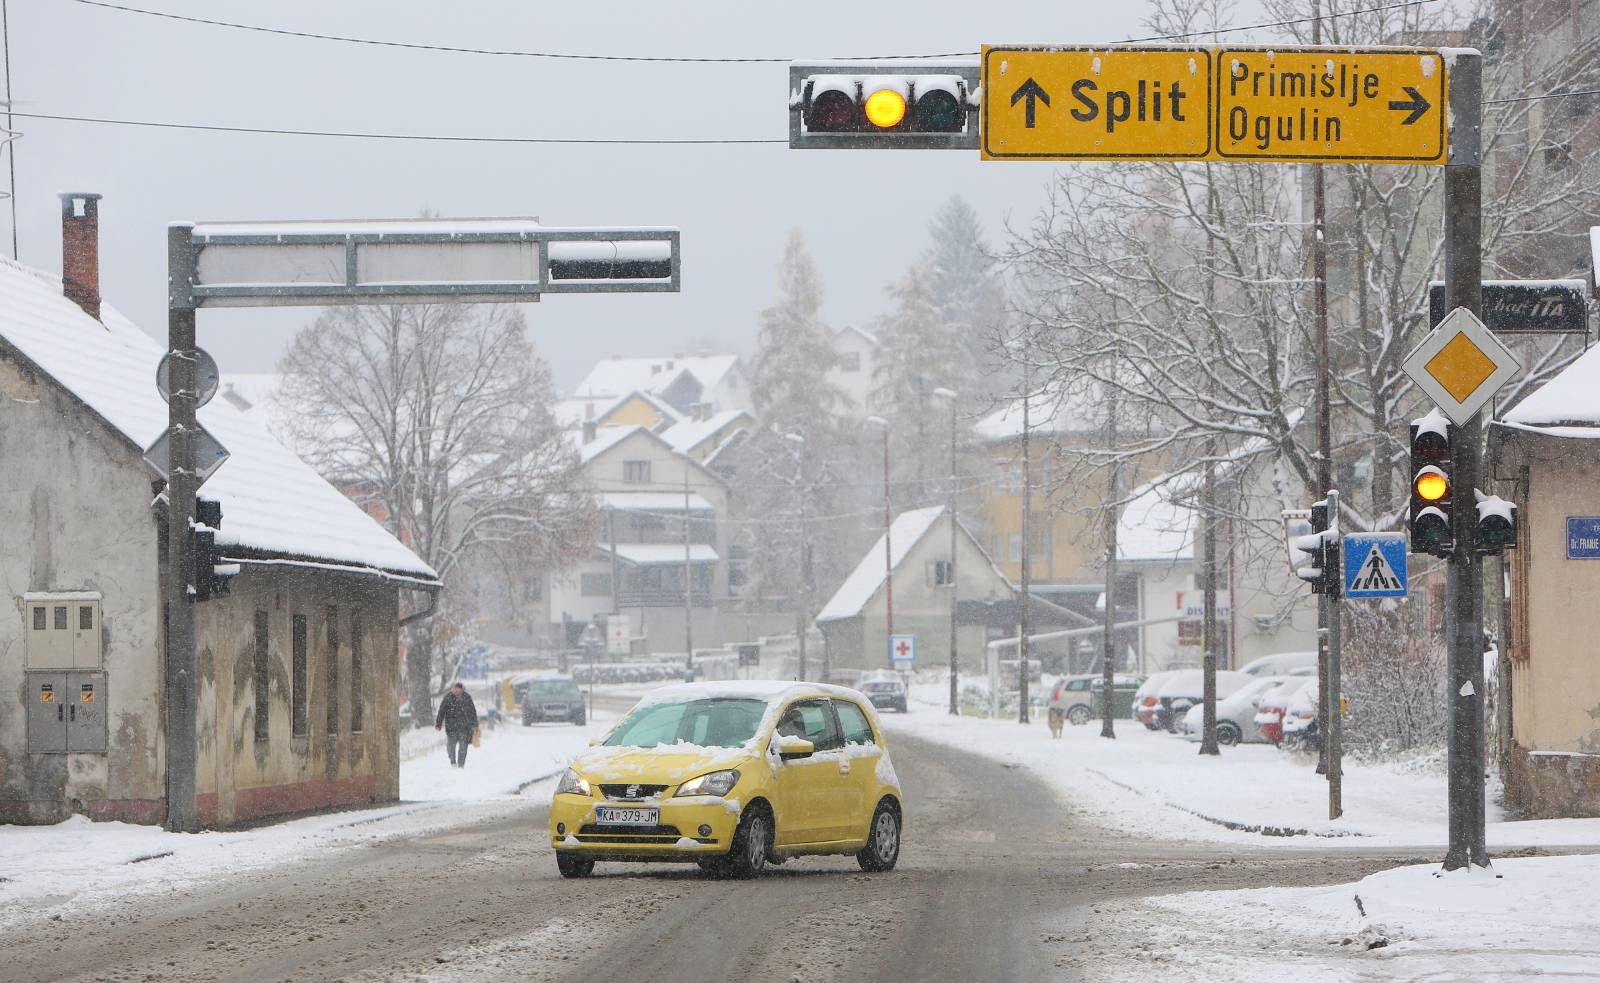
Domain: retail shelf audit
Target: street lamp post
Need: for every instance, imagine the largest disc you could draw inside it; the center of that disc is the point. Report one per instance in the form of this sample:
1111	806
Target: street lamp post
888	546
950	395
803	614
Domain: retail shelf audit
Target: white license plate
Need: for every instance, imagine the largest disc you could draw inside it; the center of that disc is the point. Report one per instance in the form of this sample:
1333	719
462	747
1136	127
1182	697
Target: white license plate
628	816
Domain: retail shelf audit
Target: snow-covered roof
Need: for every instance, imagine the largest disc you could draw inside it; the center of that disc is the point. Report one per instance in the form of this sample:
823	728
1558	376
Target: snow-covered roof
868	336
867	578
271	500
652	502
1154	527
1046	415
686	435
661	554
619	376
606	438
1566	406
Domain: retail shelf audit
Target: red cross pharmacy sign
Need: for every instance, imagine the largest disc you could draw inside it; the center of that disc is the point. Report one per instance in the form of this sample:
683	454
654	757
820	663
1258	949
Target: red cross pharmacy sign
903	651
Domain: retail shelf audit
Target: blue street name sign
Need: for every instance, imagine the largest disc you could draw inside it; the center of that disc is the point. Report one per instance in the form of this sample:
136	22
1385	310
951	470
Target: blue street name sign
1583	537
1375	564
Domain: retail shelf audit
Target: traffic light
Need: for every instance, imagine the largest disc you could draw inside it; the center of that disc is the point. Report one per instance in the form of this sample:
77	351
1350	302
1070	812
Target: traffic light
1497	525
1432	494
1321	547
209	573
861	106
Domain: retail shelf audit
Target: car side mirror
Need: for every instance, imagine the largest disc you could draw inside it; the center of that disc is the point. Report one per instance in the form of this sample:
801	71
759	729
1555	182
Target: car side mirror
791	747
594	742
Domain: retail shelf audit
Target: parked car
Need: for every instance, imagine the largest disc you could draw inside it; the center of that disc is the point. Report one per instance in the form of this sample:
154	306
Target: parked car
1269	715
1300	728
1235	714
1186	688
885	689
1145	703
732	776
1070	695
1280	664
546	699
1123	686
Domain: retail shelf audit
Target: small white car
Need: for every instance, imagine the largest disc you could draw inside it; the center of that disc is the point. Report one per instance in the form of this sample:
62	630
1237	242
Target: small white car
1235	714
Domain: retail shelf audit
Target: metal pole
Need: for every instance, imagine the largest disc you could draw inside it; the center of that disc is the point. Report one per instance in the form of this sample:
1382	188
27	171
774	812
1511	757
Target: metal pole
1208	623
182	752
888	555
803	615
954	706
1333	724
1463	260
1319	276
688	579
1108	646
1027	531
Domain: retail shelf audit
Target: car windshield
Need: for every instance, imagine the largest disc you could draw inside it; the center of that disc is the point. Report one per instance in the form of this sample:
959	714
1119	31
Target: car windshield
880	687
553	687
709	723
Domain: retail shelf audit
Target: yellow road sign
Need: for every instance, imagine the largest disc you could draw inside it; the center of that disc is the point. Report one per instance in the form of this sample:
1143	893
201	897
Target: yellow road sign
1096	103
1461	365
1317	105
1381	105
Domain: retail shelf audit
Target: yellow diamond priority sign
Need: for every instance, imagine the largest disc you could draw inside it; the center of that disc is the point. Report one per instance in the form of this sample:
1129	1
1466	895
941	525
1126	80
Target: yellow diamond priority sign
1461	365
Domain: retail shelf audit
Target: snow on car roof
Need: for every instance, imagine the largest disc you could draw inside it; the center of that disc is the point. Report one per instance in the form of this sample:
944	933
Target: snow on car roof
272	501
769	690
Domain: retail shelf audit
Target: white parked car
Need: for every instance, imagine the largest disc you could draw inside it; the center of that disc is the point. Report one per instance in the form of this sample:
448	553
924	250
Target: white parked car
1235	714
1145	703
1300	718
1280	664
1269	715
1186	688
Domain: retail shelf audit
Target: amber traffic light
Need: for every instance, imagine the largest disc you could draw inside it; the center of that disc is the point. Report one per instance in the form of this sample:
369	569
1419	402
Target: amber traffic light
862	106
1432	494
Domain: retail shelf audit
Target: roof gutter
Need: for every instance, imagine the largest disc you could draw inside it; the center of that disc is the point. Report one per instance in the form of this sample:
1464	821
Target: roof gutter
427	612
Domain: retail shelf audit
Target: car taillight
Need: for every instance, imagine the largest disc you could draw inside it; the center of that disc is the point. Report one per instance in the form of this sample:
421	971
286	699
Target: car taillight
1149	701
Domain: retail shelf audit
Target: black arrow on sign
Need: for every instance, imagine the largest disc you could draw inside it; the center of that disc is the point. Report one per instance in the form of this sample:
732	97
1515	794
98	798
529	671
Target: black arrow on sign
1417	105
1031	91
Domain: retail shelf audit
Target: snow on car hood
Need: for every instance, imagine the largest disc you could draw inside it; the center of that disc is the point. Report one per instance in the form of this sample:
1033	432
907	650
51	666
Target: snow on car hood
664	764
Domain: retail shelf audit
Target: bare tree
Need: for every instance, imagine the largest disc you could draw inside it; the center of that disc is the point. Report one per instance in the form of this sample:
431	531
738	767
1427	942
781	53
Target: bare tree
436	418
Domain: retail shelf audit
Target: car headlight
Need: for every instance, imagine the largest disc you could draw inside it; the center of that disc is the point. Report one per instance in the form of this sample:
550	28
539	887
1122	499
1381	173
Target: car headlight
573	783
716	783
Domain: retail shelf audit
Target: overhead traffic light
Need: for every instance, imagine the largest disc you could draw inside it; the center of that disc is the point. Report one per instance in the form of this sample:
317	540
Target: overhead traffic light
861	106
1321	547
1497	525
1432	494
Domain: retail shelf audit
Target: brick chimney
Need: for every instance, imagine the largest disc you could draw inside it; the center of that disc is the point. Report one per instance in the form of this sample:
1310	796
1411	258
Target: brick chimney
80	249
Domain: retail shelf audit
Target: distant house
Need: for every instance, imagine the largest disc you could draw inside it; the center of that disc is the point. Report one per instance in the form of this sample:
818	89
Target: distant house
703	437
854	622
1546	453
682	381
635	408
648	490
298	663
856	354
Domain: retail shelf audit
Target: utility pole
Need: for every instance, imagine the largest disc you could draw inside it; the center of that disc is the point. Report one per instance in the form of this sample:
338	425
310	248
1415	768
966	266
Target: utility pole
1027	532
1108	658
888	546
955	707
803	615
688	579
1319	276
1463	261
182	484
1208	514
1332	724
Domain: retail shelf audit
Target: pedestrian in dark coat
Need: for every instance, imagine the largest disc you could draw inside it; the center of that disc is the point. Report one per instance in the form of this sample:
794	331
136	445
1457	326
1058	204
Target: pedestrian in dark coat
458	718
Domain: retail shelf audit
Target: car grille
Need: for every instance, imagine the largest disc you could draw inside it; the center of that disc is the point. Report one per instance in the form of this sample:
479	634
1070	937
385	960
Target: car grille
622	792
592	833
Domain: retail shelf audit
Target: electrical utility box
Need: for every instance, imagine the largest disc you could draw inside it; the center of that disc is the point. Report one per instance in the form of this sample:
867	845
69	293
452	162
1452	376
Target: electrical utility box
66	712
62	630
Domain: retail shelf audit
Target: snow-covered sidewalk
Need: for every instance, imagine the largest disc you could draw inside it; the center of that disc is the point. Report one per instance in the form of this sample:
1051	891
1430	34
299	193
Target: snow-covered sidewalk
1524	917
43	868
1156	784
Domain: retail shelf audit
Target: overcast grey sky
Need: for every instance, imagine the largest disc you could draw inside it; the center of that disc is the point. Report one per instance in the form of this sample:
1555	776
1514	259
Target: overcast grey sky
865	214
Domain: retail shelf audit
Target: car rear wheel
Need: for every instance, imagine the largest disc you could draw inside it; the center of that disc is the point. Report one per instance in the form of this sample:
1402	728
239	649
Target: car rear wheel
573	866
1228	733
883	839
580	720
1078	715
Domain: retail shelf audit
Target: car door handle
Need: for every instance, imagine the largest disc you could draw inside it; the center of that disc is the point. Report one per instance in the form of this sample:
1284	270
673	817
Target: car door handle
844	767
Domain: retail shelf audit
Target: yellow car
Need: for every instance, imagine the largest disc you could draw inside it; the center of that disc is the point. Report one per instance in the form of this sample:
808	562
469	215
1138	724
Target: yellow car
732	775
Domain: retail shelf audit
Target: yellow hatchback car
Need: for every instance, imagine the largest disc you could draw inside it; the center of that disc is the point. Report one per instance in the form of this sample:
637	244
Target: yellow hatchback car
733	776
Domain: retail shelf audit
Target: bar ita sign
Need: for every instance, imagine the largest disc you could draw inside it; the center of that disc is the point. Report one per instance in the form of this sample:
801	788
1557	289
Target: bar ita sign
1375	564
1215	103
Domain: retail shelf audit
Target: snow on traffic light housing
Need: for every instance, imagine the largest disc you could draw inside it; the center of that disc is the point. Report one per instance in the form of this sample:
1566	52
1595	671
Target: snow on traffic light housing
926	106
1497	525
1321	547
1432	495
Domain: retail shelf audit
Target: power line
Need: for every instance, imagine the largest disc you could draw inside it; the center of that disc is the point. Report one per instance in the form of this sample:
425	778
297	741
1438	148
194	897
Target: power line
573	56
357	135
1547	95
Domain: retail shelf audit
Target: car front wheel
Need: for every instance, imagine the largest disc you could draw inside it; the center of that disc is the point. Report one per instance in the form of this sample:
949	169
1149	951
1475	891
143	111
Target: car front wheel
1228	734
573	866
883	840
751	843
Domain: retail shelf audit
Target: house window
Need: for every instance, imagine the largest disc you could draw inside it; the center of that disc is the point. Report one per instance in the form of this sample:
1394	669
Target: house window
1014	546
850	362
939	573
39	618
357	706
259	664
85	617
333	671
595	584
636	472
1558	156
61	618
301	725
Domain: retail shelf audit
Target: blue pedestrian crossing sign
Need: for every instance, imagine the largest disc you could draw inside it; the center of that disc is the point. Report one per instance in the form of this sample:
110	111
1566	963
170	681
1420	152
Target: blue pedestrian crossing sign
1375	564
